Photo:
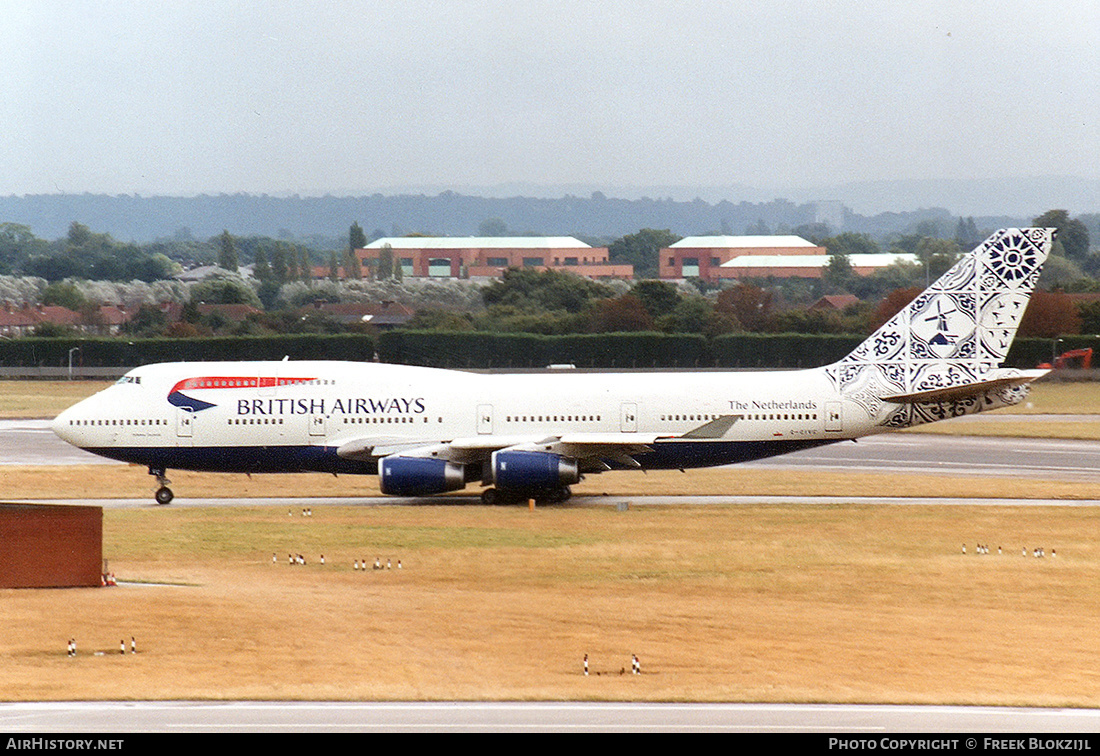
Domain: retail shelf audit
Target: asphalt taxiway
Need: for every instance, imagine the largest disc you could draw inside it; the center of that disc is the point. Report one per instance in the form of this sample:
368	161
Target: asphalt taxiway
31	442
470	717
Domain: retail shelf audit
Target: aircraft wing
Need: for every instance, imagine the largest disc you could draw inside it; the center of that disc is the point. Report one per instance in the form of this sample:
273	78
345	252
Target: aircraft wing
372	447
976	388
582	446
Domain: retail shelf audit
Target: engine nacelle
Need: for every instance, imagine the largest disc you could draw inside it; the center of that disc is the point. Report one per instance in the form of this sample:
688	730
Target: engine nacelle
419	476
532	470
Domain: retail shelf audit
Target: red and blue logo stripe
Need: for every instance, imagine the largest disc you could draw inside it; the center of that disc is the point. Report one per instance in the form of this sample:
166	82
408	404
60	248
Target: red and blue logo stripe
179	399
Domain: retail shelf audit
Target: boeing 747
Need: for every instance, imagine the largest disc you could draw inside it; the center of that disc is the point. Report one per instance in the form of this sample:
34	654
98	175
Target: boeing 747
427	431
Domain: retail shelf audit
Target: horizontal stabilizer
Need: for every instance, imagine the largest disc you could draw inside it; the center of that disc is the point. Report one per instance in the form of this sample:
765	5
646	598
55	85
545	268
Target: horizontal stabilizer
966	390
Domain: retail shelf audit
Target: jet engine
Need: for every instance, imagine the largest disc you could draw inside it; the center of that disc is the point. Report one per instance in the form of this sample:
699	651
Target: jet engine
419	476
533	471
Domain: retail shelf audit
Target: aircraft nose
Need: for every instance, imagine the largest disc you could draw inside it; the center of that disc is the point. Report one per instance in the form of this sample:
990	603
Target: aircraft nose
62	426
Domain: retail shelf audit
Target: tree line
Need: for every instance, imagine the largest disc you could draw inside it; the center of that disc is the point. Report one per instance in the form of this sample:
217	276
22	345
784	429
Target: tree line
523	300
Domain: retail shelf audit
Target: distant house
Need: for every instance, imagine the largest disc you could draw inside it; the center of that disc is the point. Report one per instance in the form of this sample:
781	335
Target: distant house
104	320
235	312
16	322
835	302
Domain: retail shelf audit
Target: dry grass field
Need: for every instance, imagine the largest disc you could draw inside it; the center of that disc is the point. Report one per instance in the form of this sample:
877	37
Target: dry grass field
753	603
770	602
36	399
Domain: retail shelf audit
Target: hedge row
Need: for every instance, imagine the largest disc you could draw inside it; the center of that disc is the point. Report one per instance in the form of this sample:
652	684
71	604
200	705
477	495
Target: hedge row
120	352
526	350
489	350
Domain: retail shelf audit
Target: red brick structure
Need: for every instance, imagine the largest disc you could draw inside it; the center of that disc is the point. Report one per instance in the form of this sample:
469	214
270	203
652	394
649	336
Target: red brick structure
47	546
475	257
718	258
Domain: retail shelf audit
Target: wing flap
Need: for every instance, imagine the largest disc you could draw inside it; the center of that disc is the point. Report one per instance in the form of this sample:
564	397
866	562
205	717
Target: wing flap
368	447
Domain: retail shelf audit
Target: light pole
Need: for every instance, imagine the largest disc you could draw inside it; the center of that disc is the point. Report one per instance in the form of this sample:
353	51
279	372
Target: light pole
74	349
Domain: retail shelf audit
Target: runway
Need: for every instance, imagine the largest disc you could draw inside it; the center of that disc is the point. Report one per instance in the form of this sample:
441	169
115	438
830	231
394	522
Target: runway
861	722
30	442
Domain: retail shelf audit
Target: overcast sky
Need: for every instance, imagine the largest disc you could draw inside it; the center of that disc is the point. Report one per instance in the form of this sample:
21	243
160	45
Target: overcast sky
184	97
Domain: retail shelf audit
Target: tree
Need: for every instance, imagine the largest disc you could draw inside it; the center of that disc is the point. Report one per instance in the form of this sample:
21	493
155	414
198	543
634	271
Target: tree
750	306
549	290
260	269
642	250
690	315
624	313
224	291
893	303
333	267
149	321
63	294
278	264
305	265
492	227
227	253
1073	235
658	297
850	243
938	255
967	235
838	274
17	243
1090	316
356	238
384	270
79	234
1050	314
292	264
352	269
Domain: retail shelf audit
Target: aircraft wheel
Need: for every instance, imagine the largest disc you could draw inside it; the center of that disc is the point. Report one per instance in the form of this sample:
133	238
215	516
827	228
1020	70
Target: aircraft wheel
164	495
555	496
491	497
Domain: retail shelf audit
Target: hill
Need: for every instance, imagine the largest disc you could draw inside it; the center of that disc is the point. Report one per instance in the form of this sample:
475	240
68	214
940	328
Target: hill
144	219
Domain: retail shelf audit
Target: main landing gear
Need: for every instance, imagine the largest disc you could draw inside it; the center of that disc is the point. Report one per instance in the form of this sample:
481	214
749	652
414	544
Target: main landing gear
494	497
164	494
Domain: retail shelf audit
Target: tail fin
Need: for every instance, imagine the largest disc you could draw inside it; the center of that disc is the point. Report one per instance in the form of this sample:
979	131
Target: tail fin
941	355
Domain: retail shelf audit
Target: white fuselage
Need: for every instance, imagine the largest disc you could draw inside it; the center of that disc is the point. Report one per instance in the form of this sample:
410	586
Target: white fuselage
284	416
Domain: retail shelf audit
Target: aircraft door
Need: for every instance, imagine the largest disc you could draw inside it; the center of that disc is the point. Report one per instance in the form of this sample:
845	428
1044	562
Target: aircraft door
185	426
484	419
317	425
628	418
833	417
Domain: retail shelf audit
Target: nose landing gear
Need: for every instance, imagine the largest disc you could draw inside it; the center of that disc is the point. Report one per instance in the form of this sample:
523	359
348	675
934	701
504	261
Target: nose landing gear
164	494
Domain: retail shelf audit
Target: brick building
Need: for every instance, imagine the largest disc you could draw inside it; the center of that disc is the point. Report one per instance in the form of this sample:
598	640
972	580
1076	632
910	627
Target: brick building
45	546
490	256
714	258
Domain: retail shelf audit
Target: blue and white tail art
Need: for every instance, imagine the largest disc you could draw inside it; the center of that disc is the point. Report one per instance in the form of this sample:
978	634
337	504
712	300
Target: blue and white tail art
427	431
941	356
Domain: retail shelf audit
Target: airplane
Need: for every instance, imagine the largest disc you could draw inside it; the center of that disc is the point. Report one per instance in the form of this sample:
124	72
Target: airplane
426	431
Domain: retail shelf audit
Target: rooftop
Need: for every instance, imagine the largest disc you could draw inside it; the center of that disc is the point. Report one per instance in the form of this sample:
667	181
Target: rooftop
817	261
479	242
742	242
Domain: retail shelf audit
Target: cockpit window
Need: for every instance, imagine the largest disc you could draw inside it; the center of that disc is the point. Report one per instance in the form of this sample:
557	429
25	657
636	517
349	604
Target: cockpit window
128	379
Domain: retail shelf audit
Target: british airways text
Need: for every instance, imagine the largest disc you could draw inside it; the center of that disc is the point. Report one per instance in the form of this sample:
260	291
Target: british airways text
357	406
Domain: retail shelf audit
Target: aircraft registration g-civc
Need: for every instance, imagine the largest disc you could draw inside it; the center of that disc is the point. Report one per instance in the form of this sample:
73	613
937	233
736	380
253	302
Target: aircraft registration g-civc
427	431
